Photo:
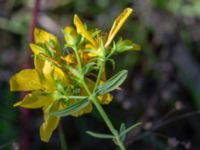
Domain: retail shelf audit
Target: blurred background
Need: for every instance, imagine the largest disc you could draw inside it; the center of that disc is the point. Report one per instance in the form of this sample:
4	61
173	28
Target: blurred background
162	89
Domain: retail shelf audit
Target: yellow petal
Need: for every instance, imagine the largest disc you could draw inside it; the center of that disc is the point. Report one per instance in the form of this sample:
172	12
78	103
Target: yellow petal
59	75
52	74
90	54
70	59
47	68
119	21
38	63
42	36
35	100
50	123
36	49
105	99
81	30
47	71
72	33
25	80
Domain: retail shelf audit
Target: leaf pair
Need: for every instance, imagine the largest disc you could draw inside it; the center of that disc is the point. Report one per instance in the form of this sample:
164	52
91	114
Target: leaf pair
110	85
122	132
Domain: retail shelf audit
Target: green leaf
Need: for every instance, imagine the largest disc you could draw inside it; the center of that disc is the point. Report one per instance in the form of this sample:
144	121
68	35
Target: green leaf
88	67
113	83
112	62
77	97
121	130
99	135
71	69
71	109
126	45
123	133
73	97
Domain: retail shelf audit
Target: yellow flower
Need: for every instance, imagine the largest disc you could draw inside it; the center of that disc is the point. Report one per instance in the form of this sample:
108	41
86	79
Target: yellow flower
45	43
49	79
41	97
72	34
41	81
95	42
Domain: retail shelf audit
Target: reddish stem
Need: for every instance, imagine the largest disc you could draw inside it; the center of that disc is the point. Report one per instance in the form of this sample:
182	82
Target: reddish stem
24	113
34	20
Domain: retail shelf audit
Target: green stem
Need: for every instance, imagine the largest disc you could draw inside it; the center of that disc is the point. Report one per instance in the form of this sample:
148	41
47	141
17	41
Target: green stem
78	60
108	123
96	103
105	117
99	76
62	138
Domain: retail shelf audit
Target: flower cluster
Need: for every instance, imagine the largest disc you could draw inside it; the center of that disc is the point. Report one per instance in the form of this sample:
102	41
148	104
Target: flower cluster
64	79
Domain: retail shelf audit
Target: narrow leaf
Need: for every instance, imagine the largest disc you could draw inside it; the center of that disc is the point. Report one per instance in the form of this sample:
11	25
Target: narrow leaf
129	129
77	97
122	129
100	135
113	83
71	109
88	67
